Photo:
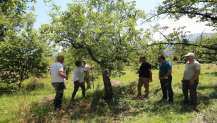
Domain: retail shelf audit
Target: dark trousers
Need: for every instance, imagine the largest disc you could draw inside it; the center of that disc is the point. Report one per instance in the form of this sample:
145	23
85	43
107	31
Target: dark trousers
166	87
76	87
192	88
59	88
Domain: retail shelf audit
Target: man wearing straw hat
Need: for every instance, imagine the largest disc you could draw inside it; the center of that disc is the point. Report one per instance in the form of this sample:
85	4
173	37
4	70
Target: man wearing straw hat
191	79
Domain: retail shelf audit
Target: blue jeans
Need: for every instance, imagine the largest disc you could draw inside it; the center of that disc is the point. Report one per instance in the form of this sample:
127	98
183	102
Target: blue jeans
166	87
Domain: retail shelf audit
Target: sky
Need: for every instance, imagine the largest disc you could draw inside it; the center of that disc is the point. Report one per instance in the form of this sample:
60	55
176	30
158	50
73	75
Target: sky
42	17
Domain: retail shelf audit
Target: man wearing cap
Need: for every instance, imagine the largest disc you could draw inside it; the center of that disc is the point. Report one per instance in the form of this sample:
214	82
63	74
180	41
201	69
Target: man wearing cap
191	79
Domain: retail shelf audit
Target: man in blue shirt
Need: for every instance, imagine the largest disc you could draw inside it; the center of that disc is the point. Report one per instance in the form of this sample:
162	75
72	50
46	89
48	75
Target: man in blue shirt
165	76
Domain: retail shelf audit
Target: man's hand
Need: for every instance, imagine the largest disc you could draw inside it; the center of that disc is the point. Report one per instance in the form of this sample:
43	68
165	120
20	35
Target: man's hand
62	74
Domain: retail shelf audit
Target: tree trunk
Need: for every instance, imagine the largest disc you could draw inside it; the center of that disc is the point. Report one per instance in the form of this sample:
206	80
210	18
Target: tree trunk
107	85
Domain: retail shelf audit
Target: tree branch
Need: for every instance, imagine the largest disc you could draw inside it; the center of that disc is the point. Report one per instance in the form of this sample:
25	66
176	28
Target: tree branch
93	57
210	47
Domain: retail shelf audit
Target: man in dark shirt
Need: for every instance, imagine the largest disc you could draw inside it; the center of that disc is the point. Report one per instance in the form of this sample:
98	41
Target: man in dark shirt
145	76
165	76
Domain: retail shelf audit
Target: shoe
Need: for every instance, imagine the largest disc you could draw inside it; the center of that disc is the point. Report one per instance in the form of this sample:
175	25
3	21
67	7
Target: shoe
59	110
139	97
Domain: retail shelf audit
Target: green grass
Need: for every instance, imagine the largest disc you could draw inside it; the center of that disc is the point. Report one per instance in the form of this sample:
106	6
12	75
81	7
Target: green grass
33	103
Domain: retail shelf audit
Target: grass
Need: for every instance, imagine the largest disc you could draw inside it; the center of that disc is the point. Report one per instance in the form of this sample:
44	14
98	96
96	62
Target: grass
33	103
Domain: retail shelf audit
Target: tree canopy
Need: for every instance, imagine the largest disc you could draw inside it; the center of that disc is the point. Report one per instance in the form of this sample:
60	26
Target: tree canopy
205	10
21	52
103	30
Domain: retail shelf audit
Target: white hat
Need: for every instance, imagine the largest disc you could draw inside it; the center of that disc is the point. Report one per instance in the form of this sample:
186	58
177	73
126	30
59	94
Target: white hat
189	54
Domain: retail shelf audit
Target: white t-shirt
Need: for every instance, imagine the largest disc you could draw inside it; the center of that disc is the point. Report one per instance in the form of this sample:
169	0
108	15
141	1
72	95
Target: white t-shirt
190	69
78	74
87	67
55	77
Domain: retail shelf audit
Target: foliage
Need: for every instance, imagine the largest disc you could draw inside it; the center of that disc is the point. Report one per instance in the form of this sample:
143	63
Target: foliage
21	52
103	31
179	42
205	10
13	16
207	55
22	58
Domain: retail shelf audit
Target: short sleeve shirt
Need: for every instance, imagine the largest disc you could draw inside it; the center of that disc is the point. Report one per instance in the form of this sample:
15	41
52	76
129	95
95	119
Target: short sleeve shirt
164	68
144	70
190	69
55	77
78	74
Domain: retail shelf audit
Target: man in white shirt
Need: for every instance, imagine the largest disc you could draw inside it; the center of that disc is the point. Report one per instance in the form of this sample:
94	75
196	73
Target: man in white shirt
78	79
57	79
191	79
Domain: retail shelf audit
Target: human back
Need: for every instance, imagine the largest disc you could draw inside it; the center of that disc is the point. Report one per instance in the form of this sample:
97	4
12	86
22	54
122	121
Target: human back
55	68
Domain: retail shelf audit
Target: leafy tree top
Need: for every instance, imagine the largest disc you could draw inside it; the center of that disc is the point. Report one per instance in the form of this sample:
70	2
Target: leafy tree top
205	10
105	30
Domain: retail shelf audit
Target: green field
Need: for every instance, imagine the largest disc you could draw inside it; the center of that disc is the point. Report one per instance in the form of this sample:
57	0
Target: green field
33	103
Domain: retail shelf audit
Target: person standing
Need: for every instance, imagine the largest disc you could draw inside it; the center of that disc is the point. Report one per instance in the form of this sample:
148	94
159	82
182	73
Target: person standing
191	79
87	69
145	76
165	76
78	79
57	78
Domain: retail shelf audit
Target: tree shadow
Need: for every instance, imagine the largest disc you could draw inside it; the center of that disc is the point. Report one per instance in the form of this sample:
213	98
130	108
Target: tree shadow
94	107
206	98
211	73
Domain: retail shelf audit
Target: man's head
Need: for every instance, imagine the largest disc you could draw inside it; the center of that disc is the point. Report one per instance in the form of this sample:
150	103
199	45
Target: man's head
142	59
78	63
60	58
83	62
190	56
161	59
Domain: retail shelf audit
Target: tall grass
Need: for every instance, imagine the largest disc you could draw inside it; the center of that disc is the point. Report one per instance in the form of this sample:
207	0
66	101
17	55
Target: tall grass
33	104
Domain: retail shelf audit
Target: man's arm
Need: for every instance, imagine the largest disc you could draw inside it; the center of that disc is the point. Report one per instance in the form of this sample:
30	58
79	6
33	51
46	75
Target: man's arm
195	77
61	73
196	74
169	72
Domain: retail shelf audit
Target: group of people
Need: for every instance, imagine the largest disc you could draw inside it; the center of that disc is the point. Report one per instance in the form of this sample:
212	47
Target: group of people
81	74
189	82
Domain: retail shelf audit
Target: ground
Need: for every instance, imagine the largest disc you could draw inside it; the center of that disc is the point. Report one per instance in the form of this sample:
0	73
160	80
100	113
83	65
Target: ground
33	103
